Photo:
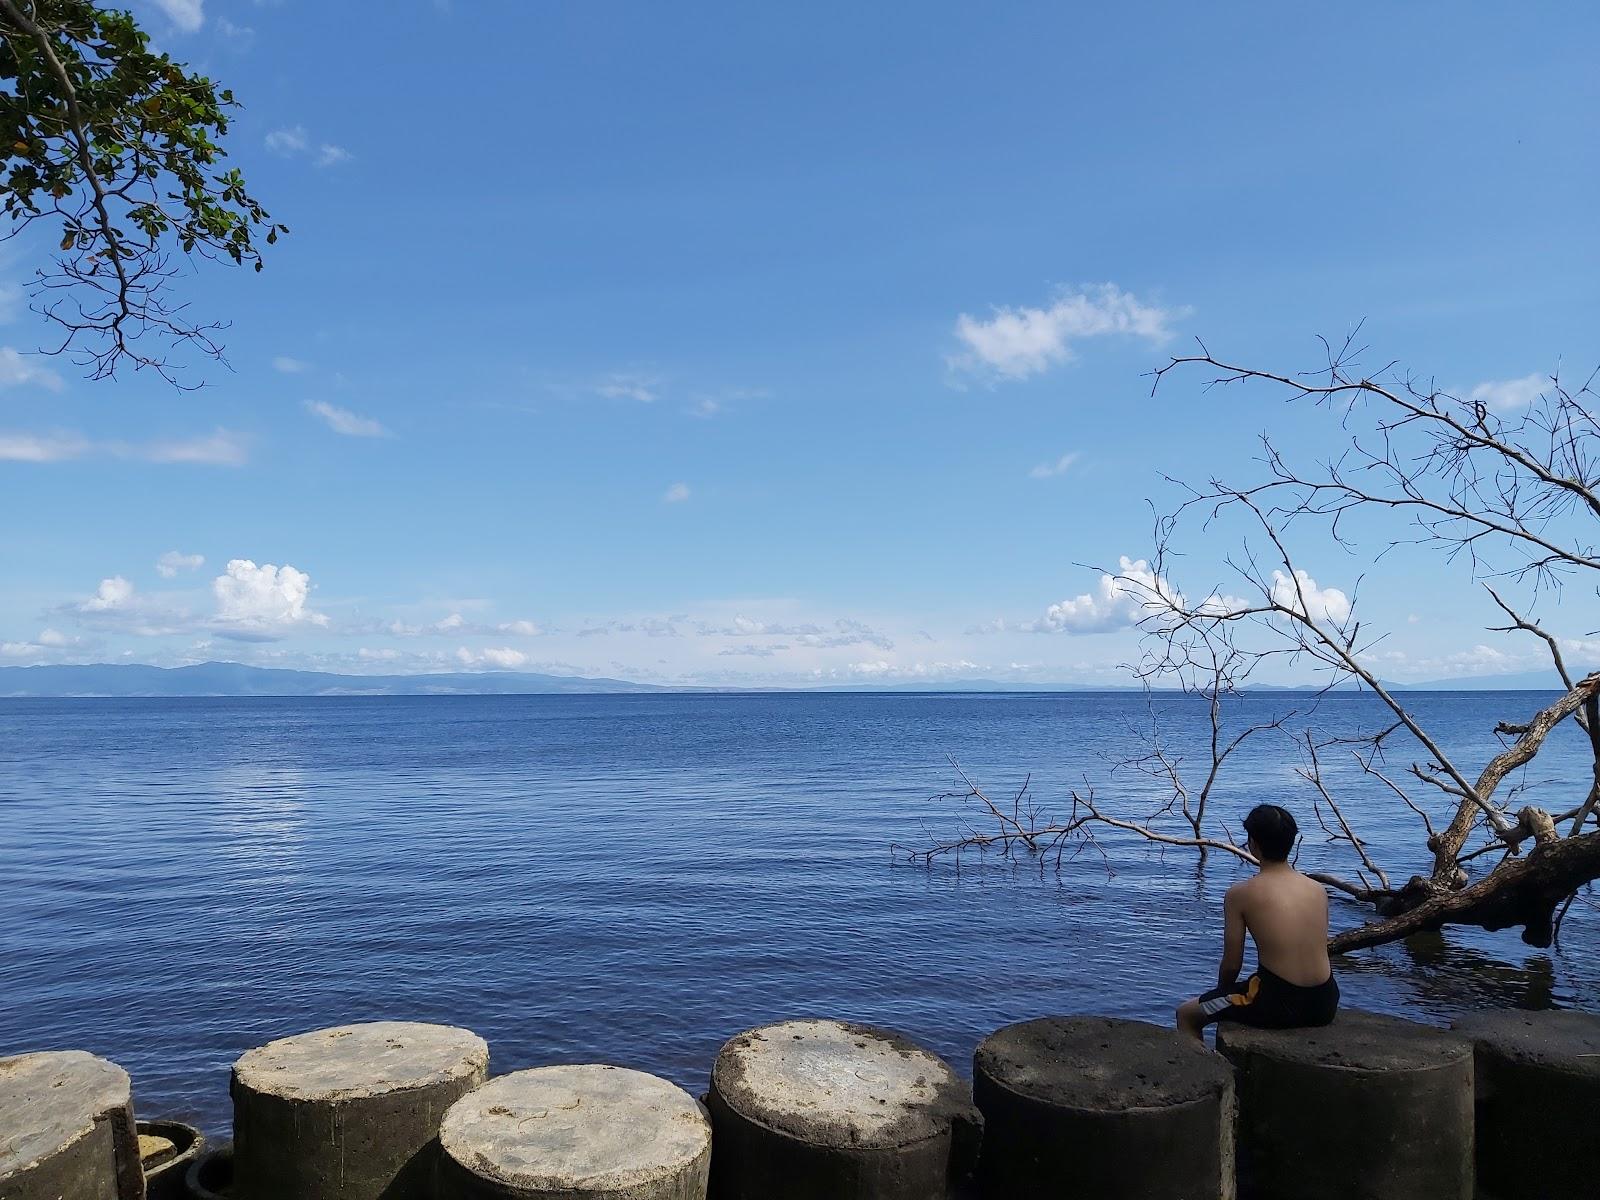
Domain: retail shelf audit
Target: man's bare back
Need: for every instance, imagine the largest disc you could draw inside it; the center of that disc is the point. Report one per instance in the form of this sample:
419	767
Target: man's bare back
1286	916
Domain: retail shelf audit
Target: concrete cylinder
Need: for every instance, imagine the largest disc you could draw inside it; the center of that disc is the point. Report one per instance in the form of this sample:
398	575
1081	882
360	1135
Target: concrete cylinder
815	1108
1538	1090
1369	1106
67	1129
1104	1108
575	1133
350	1113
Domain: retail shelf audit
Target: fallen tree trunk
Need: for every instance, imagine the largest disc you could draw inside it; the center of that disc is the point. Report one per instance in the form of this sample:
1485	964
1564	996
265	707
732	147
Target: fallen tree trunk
1521	891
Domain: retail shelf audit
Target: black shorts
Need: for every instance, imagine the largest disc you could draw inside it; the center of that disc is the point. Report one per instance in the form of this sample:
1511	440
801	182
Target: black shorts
1269	1002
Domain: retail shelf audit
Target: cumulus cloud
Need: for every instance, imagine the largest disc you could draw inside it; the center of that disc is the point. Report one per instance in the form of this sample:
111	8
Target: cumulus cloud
503	658
329	155
262	602
290	366
170	563
187	15
342	420
20	370
1509	395
114	593
1015	343
676	494
1060	467
1117	602
1302	595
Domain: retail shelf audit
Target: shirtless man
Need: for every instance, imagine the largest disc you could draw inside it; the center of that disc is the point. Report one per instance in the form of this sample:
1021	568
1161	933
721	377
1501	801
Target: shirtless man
1286	915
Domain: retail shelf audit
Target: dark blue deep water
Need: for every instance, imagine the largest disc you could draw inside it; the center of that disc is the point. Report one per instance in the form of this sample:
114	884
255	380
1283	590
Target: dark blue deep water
635	878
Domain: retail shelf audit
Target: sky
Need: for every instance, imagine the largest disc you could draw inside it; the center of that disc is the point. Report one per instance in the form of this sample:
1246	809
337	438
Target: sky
747	344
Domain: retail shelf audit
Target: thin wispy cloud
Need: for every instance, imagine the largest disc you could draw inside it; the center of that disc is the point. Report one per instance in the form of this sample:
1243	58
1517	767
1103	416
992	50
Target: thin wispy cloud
186	15
643	388
1509	395
290	366
20	370
1015	343
676	494
222	448
342	420
174	561
1060	467
293	141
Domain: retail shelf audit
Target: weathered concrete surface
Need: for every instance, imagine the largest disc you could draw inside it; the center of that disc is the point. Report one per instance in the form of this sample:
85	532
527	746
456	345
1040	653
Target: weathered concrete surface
575	1133
1097	1107
804	1109
1369	1106
350	1113
67	1129
1538	1090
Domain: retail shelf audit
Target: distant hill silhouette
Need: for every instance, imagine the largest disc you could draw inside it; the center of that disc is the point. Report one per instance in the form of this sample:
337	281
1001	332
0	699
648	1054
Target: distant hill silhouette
236	679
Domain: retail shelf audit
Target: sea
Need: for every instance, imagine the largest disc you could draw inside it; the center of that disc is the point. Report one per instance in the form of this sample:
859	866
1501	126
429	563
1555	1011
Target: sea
632	879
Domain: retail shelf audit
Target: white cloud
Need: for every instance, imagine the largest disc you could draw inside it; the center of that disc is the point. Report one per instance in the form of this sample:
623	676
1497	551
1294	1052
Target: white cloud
520	628
1060	467
676	494
503	658
643	388
222	448
19	370
42	448
1117	602
288	141
54	638
705	407
1509	395
262	601
170	563
329	155
187	15
113	594
342	420
1015	343
290	366
1302	595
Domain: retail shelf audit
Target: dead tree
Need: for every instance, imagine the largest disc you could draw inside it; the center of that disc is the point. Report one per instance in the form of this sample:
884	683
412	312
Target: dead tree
1511	499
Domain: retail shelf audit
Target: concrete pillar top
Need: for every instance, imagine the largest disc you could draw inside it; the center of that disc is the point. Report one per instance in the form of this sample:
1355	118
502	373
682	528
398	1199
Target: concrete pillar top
1356	1041
1101	1064
1562	1040
834	1083
577	1129
50	1100
351	1062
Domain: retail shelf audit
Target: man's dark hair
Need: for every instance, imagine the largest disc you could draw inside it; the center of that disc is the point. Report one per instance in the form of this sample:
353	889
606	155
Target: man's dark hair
1273	830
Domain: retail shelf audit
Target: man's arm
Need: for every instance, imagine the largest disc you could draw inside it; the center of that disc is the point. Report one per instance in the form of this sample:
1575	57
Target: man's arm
1232	938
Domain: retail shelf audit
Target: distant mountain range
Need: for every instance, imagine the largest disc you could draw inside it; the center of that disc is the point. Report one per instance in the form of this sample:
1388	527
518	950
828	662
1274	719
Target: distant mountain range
236	679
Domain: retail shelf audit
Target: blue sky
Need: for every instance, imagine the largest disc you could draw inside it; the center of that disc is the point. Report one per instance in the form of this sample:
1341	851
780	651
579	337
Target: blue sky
670	341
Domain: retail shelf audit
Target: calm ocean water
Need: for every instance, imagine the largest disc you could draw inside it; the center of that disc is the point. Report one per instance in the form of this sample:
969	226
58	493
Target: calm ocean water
635	878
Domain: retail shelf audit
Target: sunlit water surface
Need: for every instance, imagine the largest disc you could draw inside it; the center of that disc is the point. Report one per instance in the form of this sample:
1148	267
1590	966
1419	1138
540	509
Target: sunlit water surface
634	878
